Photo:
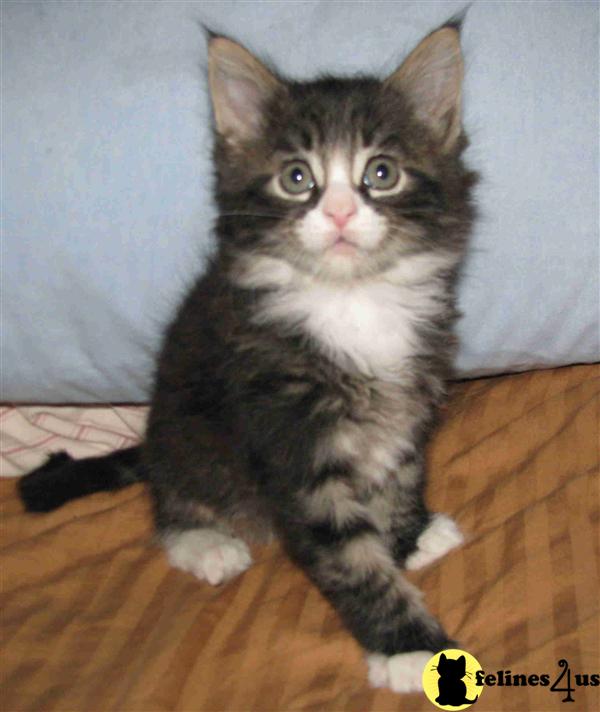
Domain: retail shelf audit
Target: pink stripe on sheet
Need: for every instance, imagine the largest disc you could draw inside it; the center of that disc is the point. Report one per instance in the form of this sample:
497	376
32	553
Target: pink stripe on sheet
21	448
29	433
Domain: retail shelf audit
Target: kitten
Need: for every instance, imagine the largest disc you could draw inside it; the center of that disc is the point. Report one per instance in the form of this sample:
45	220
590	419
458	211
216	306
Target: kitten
452	689
299	381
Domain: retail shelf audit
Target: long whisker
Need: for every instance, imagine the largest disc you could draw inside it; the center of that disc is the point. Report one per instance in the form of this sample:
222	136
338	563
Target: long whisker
251	214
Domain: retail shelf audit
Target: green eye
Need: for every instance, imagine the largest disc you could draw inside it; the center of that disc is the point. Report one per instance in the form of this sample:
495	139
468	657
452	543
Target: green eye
297	178
381	173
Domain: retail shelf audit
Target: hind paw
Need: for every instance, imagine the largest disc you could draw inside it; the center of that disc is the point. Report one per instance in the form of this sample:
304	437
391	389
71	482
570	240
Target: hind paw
207	554
441	536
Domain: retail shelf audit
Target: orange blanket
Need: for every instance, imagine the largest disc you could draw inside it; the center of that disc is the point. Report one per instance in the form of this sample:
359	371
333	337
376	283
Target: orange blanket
94	619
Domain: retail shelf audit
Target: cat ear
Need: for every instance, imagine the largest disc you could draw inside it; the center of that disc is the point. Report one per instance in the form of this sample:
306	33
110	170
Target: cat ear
240	86
431	79
462	660
442	658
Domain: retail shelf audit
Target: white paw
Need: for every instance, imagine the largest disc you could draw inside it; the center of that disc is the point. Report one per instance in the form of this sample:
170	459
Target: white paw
401	673
438	539
207	554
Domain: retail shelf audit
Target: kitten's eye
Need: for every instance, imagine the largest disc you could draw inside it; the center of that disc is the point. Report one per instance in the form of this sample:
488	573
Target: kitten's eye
297	178
381	173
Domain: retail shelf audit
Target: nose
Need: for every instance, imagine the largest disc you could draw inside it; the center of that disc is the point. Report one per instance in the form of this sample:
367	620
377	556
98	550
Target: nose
339	204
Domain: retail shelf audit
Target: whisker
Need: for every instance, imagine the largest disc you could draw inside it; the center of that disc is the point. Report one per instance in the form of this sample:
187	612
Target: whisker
240	213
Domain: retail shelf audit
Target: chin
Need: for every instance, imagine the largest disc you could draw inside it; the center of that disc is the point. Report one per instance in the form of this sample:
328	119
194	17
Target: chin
343	265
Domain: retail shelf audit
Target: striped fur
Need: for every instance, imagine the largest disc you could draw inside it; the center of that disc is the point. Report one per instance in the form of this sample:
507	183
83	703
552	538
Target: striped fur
299	381
297	387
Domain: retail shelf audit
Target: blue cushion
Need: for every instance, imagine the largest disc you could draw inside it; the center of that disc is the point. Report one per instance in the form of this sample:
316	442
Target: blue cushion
107	176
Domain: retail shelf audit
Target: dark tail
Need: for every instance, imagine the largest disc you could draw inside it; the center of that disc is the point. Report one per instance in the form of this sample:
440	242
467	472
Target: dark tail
61	478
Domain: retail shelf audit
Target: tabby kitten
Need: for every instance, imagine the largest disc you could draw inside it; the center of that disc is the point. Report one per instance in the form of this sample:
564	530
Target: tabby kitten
299	381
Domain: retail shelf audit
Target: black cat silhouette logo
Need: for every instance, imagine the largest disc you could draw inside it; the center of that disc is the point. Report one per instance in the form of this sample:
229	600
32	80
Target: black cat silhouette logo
449	680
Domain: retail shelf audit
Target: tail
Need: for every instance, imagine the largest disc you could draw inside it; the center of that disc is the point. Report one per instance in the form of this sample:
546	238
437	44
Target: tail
61	478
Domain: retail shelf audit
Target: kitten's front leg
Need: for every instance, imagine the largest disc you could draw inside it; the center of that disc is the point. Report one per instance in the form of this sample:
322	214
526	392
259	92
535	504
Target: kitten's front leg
334	537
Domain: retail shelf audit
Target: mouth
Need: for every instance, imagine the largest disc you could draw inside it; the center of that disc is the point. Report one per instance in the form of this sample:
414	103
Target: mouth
342	246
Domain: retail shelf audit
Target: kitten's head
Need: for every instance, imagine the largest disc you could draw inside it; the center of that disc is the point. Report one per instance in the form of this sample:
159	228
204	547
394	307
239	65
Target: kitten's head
341	178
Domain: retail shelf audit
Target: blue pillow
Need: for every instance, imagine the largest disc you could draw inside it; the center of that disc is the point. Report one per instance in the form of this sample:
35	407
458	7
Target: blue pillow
107	176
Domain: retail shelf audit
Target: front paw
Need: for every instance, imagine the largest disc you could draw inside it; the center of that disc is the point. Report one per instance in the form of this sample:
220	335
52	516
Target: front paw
401	673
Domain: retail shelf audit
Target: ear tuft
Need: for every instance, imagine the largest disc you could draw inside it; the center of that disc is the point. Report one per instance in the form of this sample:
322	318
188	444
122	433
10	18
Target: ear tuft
240	86
431	79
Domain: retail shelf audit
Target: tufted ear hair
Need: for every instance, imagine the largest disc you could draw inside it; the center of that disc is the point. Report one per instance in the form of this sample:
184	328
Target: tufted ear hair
431	79
240	85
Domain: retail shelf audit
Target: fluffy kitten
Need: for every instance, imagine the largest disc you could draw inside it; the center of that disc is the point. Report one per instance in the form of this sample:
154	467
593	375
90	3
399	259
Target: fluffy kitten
298	383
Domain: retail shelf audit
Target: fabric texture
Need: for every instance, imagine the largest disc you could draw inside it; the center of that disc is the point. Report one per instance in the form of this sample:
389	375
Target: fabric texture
29	433
93	618
106	166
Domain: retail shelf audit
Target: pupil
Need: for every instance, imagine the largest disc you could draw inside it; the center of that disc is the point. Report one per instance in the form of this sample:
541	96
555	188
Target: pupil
297	175
382	171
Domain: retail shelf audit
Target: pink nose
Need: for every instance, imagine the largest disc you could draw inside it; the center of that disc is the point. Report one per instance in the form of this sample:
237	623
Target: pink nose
339	205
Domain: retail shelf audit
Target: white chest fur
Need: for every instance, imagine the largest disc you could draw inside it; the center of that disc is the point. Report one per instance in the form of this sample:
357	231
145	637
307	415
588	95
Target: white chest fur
371	326
366	326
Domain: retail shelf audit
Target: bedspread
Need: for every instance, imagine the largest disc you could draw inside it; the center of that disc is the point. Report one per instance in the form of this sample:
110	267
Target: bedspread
93	618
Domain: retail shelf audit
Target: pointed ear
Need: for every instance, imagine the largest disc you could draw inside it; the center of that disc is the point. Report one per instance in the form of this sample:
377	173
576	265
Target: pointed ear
431	79
240	85
443	658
